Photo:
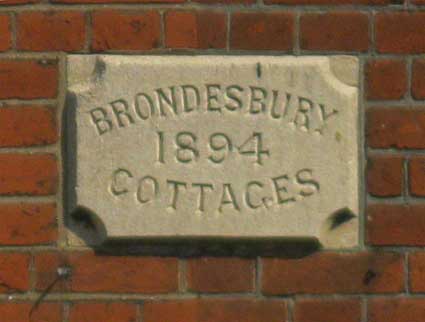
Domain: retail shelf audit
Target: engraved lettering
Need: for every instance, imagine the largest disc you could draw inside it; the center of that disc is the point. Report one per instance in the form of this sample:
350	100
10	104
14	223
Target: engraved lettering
166	100
234	97
120	109
100	119
202	188
140	190
149	106
175	185
117	186
190	91
280	189
228	198
212	97
305	178
248	194
258	100
186	147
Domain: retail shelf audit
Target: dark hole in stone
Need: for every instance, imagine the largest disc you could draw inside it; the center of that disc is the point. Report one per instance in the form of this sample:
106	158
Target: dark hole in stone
368	277
340	217
84	218
99	69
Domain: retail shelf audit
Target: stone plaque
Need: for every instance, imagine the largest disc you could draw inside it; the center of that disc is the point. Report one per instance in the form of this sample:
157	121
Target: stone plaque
220	147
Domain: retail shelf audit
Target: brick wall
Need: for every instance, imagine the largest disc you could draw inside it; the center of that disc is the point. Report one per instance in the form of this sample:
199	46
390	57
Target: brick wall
43	280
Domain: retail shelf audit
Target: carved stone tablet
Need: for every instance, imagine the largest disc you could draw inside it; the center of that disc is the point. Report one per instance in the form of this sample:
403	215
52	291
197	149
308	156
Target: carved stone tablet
216	146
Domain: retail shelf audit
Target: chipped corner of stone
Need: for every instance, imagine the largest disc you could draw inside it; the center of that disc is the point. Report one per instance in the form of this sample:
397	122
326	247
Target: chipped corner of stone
83	71
85	229
345	69
340	230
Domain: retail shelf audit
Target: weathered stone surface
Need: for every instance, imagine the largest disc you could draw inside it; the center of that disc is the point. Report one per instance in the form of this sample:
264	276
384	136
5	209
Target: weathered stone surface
215	146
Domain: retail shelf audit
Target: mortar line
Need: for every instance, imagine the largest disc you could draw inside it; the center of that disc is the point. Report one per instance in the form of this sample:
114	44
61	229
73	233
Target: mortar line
405	177
88	32
13	30
162	35
62	240
364	309
228	29
362	158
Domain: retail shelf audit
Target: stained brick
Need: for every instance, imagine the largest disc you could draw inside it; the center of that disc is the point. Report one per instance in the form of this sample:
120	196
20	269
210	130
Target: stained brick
125	30
101	273
386	79
400	32
28	174
219	275
385	175
213	310
329	273
262	31
27	224
27	126
26	312
51	31
28	79
195	29
402	225
14	274
340	31
402	128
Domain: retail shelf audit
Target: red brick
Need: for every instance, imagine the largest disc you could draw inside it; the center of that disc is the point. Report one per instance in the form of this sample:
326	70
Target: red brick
117	1
51	30
418	79
417	176
401	128
214	310
125	30
340	31
5	33
385	175
99	273
27	126
220	275
25	312
104	312
17	2
46	266
324	310
14	273
195	29
262	31
330	2
27	224
28	79
396	225
417	272
328	273
400	32
226	2
417	2
28	174
386	79
396	310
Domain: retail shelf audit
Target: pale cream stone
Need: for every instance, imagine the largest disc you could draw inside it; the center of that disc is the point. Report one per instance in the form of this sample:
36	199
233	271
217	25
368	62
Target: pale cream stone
269	147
